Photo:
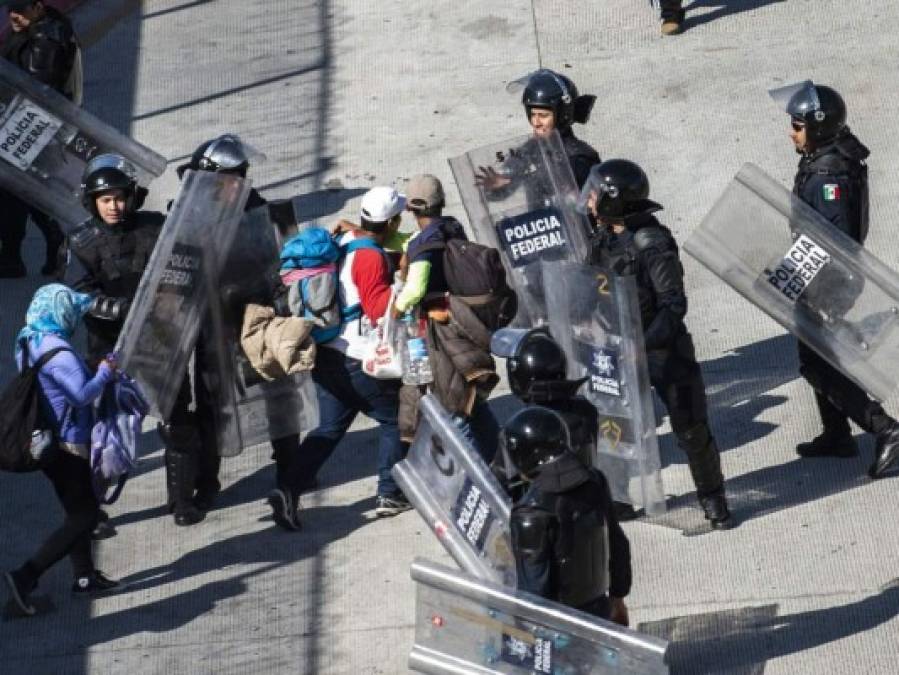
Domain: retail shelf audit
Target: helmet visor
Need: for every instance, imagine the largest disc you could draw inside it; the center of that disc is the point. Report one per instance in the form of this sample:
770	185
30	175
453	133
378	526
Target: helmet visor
593	193
506	341
109	161
229	152
517	87
797	98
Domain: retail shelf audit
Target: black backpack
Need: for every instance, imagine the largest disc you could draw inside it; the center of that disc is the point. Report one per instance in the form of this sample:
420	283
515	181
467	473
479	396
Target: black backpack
476	276
20	414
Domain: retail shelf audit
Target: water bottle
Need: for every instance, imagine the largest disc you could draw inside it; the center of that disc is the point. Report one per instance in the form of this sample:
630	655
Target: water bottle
416	364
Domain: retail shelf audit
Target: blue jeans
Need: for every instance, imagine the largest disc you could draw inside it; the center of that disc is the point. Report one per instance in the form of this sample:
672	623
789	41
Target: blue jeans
481	429
343	392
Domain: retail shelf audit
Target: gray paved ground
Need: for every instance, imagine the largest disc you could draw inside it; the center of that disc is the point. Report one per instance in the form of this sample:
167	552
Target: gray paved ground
343	94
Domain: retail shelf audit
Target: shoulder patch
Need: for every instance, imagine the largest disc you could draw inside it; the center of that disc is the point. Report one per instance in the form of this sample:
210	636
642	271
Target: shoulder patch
831	192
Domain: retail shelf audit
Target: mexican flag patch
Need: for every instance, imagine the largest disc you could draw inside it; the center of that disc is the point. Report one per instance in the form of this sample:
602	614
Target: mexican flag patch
831	192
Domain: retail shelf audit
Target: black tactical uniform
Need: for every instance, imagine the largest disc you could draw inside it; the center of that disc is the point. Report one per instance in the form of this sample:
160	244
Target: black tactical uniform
568	544
647	250
114	259
46	50
833	179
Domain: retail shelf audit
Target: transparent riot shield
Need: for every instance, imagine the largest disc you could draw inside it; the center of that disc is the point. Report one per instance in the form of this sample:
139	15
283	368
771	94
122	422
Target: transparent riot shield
455	493
46	141
595	318
266	409
520	196
469	625
819	284
161	329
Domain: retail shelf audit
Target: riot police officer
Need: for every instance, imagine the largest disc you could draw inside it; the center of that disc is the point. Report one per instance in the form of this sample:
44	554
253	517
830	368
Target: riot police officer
630	241
192	457
42	43
110	251
568	544
225	154
537	372
112	247
551	102
833	179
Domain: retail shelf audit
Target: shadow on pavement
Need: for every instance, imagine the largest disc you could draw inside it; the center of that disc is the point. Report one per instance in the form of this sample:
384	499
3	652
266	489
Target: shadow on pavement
740	641
770	489
722	8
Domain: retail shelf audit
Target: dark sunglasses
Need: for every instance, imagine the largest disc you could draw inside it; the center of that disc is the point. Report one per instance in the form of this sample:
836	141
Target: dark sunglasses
797	126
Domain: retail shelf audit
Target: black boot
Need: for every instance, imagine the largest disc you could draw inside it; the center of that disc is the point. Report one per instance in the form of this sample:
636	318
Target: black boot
180	464
715	508
704	461
886	451
208	485
829	444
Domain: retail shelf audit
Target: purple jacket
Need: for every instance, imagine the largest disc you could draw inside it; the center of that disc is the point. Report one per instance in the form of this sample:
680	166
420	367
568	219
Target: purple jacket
66	382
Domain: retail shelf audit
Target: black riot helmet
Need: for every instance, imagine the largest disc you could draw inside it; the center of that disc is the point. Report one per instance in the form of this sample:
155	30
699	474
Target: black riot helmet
224	154
538	358
535	363
548	89
534	437
621	190
110	172
820	108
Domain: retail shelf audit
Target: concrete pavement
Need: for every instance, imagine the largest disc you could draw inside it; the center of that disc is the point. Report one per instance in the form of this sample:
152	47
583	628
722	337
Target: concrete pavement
345	94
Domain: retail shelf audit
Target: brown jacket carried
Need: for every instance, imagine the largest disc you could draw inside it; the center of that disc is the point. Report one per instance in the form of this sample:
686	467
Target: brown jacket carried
275	345
464	370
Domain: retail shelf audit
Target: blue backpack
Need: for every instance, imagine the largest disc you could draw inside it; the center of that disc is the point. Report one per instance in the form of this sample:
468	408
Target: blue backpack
310	266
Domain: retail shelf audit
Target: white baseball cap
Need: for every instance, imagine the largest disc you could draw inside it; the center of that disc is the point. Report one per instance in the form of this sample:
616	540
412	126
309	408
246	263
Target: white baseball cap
382	203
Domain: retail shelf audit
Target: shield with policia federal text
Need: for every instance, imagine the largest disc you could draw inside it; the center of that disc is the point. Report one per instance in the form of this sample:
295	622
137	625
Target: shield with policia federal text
456	494
464	624
161	329
267	409
520	196
790	262
595	318
46	141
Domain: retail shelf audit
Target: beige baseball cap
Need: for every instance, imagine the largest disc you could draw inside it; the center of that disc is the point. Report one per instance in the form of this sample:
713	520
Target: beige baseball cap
424	192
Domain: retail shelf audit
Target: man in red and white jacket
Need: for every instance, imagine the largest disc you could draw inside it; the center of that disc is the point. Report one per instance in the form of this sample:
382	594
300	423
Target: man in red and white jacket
343	389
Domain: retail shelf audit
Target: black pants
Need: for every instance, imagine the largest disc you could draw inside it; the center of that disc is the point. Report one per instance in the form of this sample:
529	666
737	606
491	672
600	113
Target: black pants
672	9
71	479
15	222
839	398
677	378
205	456
289	471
